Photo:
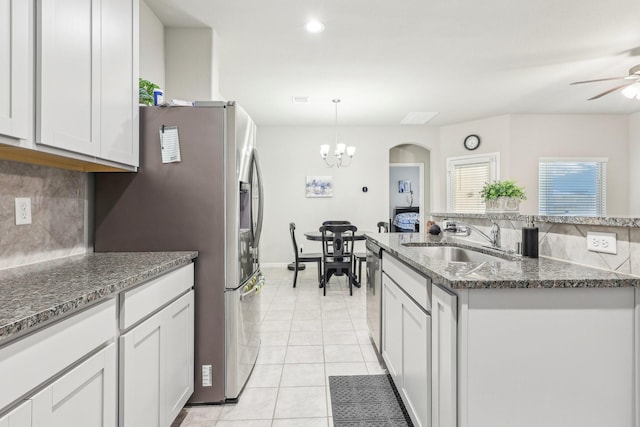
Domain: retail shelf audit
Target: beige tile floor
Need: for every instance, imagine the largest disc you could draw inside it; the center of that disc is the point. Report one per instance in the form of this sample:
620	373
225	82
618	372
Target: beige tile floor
306	338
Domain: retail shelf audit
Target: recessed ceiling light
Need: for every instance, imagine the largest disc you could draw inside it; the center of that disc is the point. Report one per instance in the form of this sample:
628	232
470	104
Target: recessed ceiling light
314	26
418	118
300	99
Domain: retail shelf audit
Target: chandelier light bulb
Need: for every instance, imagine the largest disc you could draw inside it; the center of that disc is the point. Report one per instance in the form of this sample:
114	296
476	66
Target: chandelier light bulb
324	150
351	151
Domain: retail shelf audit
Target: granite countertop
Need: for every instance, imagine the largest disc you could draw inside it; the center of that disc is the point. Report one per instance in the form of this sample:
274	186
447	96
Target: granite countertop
34	295
513	271
608	221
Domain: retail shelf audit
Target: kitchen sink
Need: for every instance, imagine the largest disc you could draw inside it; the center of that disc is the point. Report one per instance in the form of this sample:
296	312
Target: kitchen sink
455	253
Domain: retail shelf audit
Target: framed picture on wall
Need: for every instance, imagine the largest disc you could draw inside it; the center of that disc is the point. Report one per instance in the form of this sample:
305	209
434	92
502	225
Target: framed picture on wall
404	186
319	186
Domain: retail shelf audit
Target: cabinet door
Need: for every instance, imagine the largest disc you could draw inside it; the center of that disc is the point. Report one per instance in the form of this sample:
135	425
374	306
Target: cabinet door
416	361
444	346
179	341
392	329
68	75
15	72
157	366
119	93
85	396
19	417
141	390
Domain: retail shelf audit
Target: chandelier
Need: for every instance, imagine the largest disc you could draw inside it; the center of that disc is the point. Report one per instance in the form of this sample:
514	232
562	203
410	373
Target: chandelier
339	150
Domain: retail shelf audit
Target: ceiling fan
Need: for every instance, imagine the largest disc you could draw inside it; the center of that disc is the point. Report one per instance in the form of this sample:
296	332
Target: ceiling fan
631	79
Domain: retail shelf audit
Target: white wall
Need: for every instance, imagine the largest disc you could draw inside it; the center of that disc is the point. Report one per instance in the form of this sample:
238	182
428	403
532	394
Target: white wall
634	164
494	134
151	46
289	154
522	139
191	65
535	136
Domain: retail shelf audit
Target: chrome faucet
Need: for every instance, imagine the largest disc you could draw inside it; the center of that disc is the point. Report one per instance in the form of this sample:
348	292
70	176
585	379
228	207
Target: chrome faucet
464	230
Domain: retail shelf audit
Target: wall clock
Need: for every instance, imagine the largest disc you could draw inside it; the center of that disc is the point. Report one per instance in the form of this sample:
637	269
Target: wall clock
472	142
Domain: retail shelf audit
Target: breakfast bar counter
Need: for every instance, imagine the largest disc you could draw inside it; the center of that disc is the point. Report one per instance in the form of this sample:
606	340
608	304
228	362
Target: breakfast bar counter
503	270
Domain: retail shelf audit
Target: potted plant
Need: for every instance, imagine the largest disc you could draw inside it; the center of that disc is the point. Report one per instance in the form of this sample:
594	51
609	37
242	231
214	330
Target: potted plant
146	92
502	196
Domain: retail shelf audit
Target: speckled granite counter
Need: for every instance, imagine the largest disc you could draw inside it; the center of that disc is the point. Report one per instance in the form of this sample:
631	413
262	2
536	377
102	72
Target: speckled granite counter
515	272
610	221
35	294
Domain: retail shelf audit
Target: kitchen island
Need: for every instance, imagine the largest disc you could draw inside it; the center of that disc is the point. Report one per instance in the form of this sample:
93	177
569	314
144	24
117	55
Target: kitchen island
507	341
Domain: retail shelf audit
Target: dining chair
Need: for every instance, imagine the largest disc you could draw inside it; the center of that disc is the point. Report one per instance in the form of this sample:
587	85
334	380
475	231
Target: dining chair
337	253
303	257
382	225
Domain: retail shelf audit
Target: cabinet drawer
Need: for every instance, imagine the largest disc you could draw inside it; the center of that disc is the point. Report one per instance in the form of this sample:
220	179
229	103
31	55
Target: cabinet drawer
34	359
140	302
413	283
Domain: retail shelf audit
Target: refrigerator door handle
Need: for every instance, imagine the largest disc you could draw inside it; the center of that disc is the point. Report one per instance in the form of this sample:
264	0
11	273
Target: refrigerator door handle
258	230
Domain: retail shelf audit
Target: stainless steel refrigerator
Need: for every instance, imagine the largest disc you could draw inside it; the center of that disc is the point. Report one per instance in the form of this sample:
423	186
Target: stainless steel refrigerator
210	201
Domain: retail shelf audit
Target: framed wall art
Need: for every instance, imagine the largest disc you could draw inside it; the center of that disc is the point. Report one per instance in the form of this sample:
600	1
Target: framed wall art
319	186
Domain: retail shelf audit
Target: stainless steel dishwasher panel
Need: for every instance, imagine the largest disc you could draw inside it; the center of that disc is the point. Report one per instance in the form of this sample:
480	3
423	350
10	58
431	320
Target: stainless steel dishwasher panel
374	293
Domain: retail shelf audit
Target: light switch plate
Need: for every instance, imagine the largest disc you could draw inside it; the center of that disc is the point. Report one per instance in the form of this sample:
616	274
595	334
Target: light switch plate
602	242
23	210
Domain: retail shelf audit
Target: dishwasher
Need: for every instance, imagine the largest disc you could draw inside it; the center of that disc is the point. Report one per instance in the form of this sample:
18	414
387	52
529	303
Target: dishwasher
374	293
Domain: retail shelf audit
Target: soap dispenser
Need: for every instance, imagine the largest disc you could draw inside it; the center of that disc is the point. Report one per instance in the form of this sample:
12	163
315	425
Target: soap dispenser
530	239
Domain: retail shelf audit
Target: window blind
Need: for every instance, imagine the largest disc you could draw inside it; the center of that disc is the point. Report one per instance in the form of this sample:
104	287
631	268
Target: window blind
467	181
572	187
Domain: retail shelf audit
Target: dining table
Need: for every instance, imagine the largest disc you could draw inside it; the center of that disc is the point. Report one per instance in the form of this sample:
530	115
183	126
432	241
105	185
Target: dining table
316	236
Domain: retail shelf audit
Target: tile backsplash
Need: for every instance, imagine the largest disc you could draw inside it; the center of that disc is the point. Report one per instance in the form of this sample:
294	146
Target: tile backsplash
58	209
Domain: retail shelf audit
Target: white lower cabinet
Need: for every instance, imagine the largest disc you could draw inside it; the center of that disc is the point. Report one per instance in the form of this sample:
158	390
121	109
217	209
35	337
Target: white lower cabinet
86	395
392	328
19	417
406	349
156	360
444	358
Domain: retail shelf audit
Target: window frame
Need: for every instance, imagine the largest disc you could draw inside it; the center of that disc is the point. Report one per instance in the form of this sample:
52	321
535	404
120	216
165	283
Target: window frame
492	158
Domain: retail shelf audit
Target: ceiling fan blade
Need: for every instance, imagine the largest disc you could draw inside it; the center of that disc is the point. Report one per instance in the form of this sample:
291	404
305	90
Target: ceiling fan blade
600	80
611	90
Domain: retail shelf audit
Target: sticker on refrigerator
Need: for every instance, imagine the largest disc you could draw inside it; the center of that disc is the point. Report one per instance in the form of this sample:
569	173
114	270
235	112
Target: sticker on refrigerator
169	144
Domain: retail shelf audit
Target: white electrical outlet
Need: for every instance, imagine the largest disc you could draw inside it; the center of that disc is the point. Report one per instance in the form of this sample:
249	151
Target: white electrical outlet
207	376
602	242
23	210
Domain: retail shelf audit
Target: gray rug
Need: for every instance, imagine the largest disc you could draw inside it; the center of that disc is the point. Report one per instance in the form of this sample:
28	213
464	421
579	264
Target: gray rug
366	401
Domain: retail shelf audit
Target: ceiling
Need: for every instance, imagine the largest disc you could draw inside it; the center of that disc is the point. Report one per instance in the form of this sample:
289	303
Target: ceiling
464	59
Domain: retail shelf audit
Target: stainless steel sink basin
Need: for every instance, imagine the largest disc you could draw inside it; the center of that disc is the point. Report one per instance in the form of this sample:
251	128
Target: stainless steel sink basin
454	253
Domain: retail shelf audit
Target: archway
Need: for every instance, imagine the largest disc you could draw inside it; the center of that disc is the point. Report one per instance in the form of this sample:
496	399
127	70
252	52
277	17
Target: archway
409	185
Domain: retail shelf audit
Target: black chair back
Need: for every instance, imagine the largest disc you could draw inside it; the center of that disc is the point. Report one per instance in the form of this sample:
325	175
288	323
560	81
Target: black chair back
383	226
333	222
337	242
292	231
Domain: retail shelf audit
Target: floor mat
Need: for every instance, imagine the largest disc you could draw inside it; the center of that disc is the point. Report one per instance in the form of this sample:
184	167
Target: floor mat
366	400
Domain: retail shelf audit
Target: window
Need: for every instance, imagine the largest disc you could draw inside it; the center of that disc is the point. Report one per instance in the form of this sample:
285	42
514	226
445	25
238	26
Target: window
465	178
572	187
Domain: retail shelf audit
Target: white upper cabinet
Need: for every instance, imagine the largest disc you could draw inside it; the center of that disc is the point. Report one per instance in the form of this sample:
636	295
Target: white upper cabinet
86	78
14	68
